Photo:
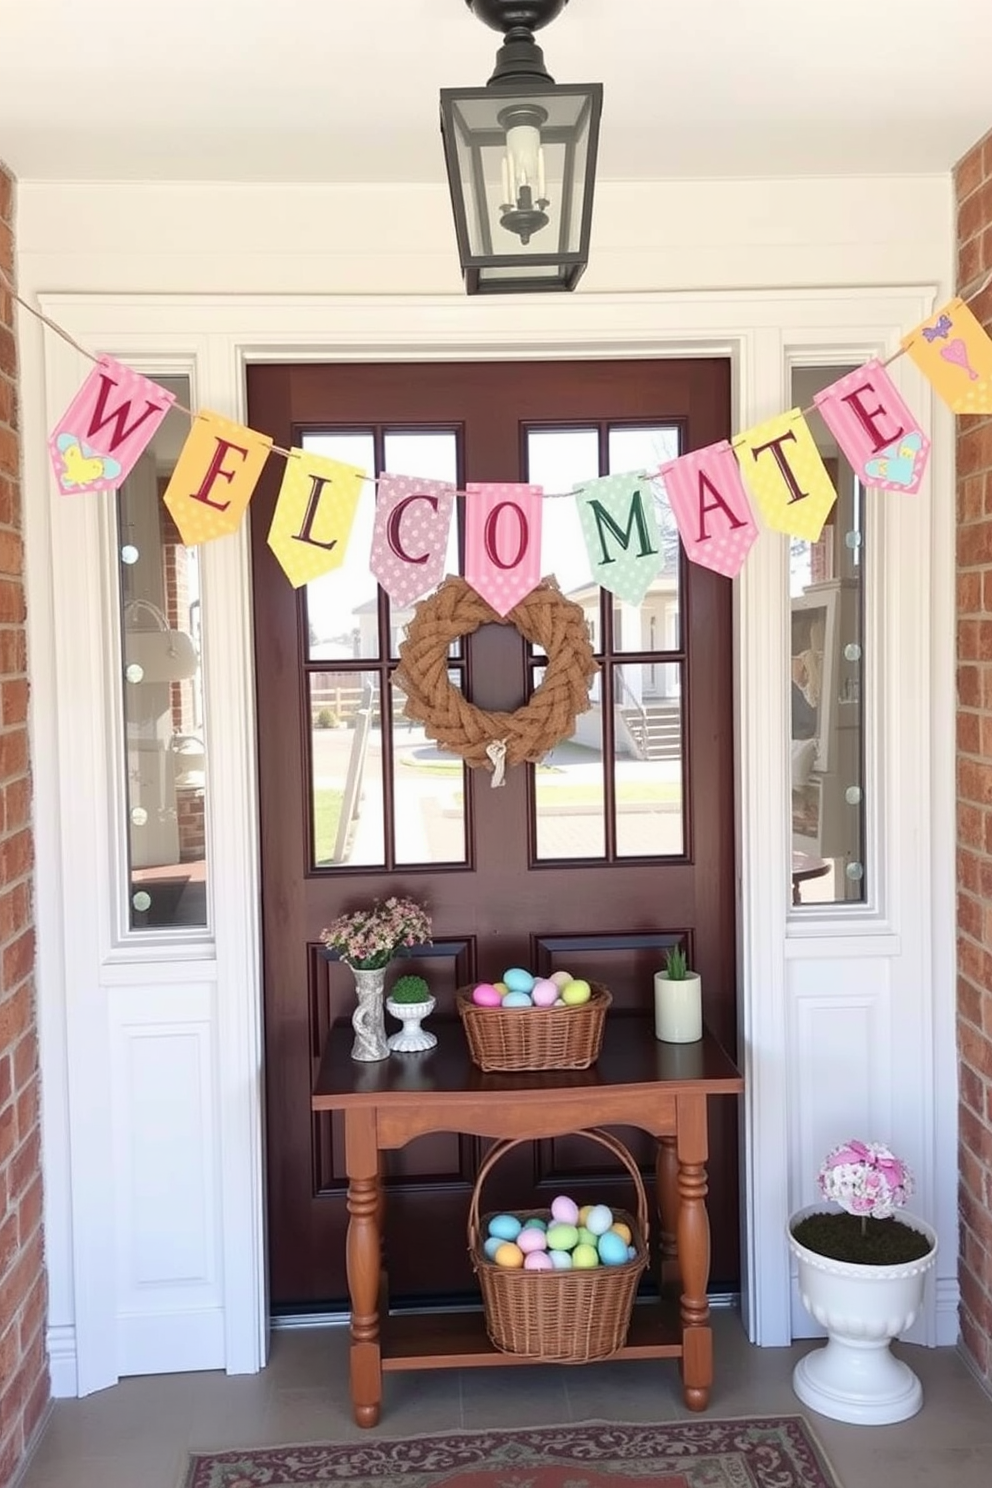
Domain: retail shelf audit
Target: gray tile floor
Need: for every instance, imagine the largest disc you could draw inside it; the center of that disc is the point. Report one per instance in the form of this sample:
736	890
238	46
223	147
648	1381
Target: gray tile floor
137	1434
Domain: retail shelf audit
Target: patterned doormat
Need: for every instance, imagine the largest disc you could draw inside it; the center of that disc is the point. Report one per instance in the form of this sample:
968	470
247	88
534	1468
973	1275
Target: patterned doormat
755	1452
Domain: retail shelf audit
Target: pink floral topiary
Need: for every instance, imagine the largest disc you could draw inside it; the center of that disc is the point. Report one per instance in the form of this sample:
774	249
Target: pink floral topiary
865	1178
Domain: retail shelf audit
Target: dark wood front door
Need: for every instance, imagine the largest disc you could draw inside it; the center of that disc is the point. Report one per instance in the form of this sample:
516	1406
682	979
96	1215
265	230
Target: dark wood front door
619	844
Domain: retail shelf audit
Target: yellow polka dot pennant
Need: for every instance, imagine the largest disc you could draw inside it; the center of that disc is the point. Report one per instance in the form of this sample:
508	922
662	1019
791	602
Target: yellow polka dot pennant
954	353
783	471
215	475
314	515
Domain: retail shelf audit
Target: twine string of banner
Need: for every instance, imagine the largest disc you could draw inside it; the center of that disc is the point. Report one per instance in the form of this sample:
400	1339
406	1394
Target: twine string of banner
289	454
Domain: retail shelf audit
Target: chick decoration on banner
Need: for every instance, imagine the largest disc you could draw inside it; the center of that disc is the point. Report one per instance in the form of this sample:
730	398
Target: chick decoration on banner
96	442
410	535
881	439
954	353
314	514
215	475
783	471
503	542
711	509
620	529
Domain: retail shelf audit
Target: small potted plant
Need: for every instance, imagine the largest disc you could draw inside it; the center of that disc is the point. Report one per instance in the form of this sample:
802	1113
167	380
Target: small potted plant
410	1001
678	1001
862	1271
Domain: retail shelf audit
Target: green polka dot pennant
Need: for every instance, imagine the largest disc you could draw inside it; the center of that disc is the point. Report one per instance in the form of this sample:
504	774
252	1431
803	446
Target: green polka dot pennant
621	534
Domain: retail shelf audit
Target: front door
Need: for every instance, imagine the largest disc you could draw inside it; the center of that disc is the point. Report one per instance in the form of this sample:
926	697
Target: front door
620	842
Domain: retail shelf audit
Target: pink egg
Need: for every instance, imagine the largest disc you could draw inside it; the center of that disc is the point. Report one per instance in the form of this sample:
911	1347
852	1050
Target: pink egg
544	992
538	1260
565	1210
485	995
531	1240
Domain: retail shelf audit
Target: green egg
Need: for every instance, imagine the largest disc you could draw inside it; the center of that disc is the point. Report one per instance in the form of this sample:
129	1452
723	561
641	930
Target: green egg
562	1237
586	1237
585	1256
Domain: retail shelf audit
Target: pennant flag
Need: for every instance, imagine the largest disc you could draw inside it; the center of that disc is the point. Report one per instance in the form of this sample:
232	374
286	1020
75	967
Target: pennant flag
410	535
621	534
865	413
314	514
784	473
112	418
216	472
503	542
711	508
953	351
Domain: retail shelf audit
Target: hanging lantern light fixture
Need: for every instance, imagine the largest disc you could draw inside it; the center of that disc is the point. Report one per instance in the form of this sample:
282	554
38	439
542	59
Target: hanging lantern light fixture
521	161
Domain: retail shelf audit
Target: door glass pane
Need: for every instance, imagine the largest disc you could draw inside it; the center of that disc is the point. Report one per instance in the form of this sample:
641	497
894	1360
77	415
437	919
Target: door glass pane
654	624
347	820
557	460
433	455
569	792
827	606
648	744
165	743
429	792
341	605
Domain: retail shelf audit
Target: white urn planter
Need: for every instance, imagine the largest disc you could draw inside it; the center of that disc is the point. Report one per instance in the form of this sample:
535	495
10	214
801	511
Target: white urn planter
411	1039
855	1377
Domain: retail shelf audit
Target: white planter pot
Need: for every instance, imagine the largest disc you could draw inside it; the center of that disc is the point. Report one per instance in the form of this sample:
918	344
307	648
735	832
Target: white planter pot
855	1377
412	1039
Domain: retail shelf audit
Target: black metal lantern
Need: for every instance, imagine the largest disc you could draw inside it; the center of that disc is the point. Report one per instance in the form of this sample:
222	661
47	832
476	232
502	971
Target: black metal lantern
521	160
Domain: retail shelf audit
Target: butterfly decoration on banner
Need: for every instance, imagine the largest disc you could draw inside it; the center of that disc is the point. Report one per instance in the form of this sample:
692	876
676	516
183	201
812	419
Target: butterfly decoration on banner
773	469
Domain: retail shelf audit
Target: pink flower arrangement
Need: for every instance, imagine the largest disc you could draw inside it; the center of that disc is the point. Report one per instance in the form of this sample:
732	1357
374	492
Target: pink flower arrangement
369	938
865	1178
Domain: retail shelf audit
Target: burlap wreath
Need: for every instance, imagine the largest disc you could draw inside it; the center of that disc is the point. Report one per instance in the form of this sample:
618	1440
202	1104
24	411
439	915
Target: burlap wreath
490	740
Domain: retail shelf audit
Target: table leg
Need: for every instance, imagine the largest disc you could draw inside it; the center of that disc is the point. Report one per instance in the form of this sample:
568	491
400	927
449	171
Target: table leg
667	1188
364	1260
693	1238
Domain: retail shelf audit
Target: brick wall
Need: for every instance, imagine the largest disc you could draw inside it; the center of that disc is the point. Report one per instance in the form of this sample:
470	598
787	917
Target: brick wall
973	185
23	1364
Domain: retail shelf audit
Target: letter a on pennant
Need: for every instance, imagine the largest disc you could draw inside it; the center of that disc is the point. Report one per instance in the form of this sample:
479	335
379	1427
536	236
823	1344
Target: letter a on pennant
884	443
954	353
96	442
314	515
217	470
410	535
503	542
621	534
783	471
711	508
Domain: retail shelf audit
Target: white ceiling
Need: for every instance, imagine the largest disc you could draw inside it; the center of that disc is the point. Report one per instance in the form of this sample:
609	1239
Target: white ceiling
346	90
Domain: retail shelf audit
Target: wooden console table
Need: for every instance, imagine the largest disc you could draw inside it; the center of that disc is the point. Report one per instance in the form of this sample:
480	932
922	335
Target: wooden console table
637	1081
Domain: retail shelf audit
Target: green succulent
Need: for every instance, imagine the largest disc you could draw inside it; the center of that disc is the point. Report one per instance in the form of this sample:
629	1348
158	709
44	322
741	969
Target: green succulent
676	964
410	989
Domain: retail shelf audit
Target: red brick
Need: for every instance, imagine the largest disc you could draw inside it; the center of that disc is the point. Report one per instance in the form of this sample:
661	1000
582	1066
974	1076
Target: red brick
975	212
26	1106
976	1136
974	449
25	1059
968	173
32	1314
10	492
970	262
13	645
969	686
17	960
975	781
972	1089
976	1051
971	917
16	854
15	1016
969	1002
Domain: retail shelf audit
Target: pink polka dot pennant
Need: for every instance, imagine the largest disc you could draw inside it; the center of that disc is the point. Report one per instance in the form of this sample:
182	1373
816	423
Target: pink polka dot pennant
410	535
711	508
503	542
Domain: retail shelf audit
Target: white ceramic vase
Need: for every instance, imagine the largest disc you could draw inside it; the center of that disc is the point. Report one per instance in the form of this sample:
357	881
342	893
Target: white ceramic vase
367	1020
678	1008
411	1039
855	1376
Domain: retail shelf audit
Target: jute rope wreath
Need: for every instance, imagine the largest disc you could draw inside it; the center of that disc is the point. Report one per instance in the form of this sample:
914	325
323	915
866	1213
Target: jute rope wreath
494	741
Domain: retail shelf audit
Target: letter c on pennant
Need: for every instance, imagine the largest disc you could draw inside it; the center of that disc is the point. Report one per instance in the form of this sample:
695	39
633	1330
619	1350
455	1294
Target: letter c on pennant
393	526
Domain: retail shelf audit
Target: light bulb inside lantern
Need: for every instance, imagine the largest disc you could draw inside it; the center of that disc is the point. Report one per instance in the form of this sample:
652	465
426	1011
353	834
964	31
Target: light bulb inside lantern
523	209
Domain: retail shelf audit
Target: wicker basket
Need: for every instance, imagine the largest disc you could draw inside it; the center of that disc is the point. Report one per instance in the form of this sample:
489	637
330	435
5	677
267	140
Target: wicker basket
564	1317
534	1038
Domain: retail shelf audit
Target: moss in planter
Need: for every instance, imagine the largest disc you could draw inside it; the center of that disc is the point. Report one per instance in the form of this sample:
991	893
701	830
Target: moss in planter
885	1242
411	989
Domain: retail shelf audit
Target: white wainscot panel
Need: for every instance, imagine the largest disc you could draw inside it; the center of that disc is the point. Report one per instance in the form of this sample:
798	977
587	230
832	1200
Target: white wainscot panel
169	1282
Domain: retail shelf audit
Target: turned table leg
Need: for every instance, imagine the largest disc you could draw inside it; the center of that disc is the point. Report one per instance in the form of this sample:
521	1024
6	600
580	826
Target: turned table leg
364	1261
667	1189
693	1239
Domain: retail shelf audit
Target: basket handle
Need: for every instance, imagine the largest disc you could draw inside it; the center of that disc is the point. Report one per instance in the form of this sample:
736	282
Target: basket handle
594	1133
136	606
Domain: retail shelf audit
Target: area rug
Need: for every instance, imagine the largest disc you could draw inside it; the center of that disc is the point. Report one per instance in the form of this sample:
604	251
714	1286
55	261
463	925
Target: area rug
757	1452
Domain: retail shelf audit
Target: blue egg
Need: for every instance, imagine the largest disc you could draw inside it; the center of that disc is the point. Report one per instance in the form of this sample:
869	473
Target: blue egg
612	1249
561	1260
631	1253
599	1219
504	1227
518	980
535	1224
491	1246
517	1000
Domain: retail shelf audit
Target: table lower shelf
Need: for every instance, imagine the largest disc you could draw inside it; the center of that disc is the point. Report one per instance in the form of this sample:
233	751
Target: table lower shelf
458	1340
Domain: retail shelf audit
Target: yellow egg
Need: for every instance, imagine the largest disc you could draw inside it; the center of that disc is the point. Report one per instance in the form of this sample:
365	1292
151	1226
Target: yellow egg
584	1256
501	988
619	1228
509	1255
584	1214
575	993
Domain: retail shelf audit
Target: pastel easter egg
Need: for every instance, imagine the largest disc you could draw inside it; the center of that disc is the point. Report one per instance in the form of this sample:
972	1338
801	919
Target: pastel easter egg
561	978
491	1246
612	1250
599	1219
562	1237
505	1226
510	1256
561	1260
575	993
517	1000
518	980
544	993
586	1237
583	1256
585	1212
531	1240
535	1224
631	1253
622	1230
559	1003
565	1209
538	1260
485	995
501	988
